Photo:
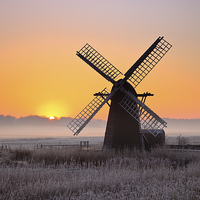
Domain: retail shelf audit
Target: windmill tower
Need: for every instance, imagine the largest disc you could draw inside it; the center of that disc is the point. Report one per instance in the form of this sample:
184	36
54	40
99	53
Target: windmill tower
129	118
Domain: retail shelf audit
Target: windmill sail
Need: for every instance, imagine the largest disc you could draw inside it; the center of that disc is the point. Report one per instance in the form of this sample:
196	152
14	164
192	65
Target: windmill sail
99	63
143	66
144	115
83	118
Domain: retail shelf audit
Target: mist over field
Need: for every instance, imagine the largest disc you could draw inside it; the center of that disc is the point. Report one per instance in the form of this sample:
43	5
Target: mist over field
35	126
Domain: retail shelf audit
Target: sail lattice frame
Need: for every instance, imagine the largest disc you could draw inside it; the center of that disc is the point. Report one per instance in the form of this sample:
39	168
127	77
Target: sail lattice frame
81	120
99	63
149	62
144	115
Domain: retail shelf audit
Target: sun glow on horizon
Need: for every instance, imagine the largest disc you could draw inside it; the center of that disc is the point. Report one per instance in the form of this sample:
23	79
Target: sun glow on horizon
52	110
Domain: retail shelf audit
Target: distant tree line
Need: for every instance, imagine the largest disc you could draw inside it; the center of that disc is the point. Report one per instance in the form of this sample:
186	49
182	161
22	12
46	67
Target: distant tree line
35	120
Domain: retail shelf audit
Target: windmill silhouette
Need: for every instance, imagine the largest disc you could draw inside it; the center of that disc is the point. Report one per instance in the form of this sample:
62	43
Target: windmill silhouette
129	118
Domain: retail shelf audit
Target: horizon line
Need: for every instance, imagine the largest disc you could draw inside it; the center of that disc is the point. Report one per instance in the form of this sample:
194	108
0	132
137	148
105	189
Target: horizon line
58	118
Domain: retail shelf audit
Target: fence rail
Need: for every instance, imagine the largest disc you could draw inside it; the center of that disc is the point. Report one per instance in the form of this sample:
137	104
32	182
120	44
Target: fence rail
82	145
194	147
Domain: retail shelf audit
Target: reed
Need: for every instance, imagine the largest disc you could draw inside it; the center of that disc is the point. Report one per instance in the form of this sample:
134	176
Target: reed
79	174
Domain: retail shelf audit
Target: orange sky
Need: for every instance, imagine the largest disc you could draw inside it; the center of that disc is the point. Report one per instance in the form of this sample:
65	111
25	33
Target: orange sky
41	74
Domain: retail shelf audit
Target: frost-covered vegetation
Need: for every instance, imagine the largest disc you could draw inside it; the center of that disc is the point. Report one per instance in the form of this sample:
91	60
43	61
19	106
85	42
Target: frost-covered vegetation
79	174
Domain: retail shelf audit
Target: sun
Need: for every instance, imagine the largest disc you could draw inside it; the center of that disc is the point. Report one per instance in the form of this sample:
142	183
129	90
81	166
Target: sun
52	118
52	109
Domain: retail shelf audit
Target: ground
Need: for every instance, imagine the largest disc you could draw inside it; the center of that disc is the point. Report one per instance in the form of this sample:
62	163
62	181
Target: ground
72	173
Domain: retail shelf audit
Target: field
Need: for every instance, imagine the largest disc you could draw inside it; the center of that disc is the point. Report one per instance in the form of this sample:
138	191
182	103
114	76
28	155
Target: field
72	173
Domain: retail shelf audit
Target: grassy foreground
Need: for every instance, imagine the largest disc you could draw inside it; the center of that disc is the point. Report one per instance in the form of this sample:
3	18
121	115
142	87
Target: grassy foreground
78	174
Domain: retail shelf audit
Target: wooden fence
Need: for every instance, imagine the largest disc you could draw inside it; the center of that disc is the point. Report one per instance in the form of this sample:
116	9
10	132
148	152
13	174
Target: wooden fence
82	145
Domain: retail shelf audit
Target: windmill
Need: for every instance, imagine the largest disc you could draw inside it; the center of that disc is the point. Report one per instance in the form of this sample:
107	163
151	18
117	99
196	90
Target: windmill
129	118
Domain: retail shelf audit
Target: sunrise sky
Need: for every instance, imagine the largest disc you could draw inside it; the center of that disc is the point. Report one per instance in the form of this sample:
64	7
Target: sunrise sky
41	74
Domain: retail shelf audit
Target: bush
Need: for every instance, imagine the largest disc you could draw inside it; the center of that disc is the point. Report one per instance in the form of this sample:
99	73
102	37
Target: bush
20	154
182	140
